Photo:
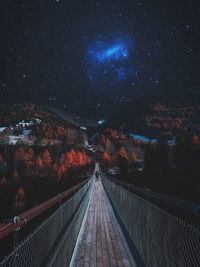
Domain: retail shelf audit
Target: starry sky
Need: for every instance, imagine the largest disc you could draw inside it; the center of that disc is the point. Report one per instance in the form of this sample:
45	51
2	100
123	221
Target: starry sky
90	56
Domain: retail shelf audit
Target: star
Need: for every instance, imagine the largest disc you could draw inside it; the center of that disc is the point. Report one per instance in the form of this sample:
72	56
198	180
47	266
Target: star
107	47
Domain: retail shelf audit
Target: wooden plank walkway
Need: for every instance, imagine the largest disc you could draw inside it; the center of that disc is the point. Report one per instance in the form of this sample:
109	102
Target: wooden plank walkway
101	242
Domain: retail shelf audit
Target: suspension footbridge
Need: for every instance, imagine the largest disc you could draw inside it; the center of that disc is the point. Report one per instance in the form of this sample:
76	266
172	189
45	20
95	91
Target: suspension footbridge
101	223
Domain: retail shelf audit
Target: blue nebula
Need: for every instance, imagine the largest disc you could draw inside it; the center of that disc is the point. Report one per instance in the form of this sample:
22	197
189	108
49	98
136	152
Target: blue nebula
113	53
110	60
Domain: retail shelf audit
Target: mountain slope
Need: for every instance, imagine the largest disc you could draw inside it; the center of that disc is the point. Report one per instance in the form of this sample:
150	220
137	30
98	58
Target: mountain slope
157	114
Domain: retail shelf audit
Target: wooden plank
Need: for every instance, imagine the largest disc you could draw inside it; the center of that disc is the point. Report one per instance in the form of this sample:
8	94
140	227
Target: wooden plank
106	262
123	247
81	254
97	201
87	255
111	255
93	245
117	252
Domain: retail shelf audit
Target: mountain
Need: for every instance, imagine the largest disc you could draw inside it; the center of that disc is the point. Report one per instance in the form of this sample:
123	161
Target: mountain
14	113
75	119
37	124
155	114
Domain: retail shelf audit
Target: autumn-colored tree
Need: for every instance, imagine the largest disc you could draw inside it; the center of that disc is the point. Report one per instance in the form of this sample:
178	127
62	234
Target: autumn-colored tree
78	159
195	140
74	159
81	159
122	161
122	153
46	158
61	170
133	157
84	158
70	159
106	158
39	163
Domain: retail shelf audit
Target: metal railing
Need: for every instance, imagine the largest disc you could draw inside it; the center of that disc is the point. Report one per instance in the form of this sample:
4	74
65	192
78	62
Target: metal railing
172	201
158	237
52	243
22	219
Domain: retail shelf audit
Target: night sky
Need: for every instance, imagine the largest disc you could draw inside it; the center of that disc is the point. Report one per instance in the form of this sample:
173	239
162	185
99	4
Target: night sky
90	56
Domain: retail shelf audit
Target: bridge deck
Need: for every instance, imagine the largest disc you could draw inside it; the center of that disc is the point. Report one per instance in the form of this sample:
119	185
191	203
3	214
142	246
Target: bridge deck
101	242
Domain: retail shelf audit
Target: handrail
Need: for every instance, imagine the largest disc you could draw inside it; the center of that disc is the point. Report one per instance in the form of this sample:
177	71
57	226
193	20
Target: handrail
156	237
22	219
179	203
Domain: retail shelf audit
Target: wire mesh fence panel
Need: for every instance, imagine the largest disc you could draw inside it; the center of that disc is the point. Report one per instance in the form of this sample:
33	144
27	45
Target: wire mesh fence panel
64	250
55	237
161	239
